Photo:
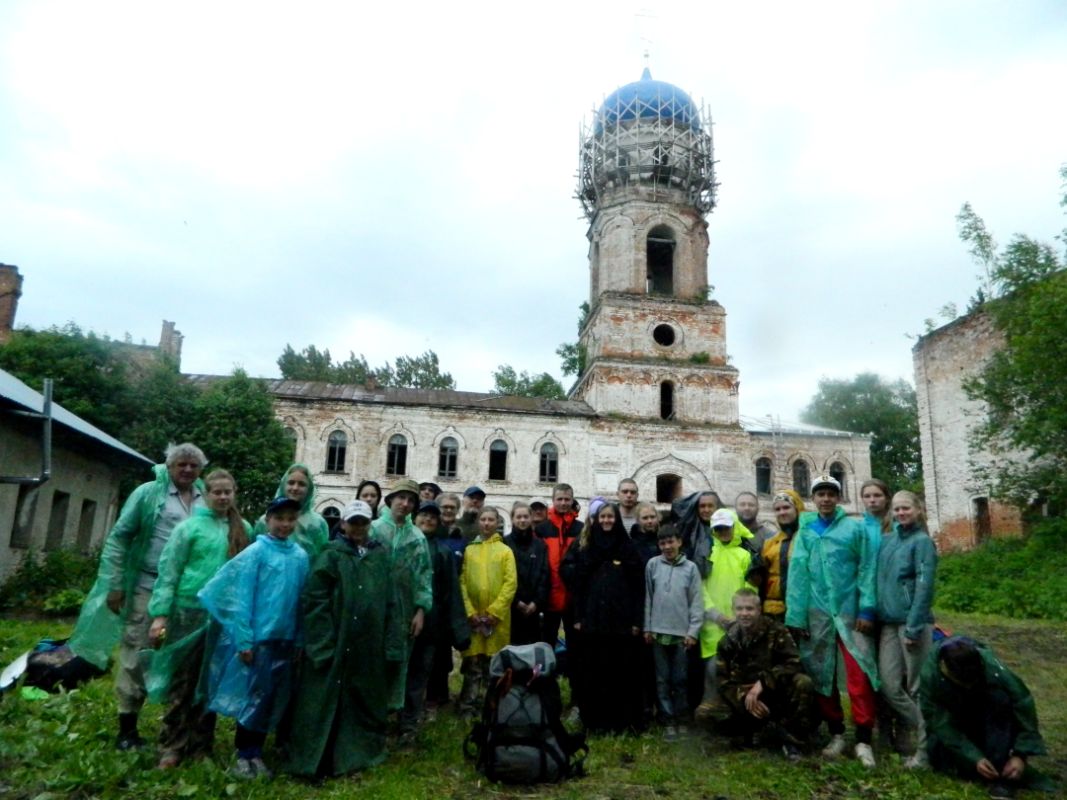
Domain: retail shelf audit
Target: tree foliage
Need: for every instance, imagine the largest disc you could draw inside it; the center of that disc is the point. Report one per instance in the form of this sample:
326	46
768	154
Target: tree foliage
414	372
886	410
1022	385
572	354
507	381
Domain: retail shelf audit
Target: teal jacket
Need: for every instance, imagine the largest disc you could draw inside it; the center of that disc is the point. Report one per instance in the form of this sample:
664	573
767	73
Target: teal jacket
907	563
312	531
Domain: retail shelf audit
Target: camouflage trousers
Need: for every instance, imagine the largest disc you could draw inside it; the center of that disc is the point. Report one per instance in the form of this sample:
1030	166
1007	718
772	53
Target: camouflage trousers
791	704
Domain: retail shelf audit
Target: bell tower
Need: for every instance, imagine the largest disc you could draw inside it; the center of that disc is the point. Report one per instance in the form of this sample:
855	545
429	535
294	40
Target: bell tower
654	343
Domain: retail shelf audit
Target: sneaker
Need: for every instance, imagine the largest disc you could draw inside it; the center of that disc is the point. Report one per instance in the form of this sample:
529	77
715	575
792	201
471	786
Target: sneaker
1001	791
865	755
169	761
670	734
835	748
243	769
262	770
917	760
791	752
129	741
683	731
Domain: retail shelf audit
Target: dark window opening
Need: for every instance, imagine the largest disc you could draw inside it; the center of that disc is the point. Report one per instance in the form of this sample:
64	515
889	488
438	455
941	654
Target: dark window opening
666	400
396	460
85	525
336	448
447	456
57	520
668	488
837	472
663	335
801	478
498	460
764	471
549	468
983	522
25	513
660	266
332	516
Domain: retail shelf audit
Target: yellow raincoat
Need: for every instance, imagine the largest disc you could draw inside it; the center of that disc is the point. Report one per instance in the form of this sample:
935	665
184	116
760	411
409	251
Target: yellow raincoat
488	584
730	566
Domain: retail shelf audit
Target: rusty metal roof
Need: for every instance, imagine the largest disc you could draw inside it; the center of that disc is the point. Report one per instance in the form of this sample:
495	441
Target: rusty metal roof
445	398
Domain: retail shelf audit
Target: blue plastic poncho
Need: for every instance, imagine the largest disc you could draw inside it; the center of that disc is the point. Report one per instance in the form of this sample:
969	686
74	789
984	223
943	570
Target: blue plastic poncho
832	583
255	599
312	532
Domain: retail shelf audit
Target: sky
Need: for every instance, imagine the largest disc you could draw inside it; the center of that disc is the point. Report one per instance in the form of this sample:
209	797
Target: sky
390	178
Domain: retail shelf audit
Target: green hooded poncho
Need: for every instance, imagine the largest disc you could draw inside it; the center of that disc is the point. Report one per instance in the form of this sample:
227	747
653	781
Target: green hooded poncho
312	531
98	630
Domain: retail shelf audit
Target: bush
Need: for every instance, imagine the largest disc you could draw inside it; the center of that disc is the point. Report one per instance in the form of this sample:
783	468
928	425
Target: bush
37	580
64	602
1021	578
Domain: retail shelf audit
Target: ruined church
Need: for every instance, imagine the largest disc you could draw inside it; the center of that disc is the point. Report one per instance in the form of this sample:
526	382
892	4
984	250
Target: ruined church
657	399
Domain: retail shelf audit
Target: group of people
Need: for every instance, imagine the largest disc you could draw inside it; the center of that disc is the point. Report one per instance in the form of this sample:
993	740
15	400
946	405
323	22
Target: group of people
710	616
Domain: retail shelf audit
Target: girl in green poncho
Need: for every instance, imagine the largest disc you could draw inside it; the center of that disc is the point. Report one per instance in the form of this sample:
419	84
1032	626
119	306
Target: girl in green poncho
193	554
312	531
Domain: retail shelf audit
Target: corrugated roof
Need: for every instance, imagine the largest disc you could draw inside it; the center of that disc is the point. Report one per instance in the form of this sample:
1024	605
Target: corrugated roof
768	425
315	390
15	393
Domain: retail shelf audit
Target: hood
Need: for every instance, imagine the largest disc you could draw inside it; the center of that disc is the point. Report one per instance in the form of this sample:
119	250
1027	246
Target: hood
309	501
740	532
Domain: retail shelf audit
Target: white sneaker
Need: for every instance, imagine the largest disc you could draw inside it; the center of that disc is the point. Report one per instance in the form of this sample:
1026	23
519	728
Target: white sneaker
683	731
835	748
917	760
670	734
865	755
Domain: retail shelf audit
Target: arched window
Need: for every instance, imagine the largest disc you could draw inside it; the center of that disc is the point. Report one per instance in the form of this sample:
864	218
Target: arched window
668	488
801	478
332	515
837	472
290	434
659	260
336	447
764	472
447	456
549	468
498	460
396	457
666	400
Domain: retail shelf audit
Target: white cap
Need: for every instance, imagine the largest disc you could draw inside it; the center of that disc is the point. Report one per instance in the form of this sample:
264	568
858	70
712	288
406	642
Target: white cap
357	508
823	481
723	518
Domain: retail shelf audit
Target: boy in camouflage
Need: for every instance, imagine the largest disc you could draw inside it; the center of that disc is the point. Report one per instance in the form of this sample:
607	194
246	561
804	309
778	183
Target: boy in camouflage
760	678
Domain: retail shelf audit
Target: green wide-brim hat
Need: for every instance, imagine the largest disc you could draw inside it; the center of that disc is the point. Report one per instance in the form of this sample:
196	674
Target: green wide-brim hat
406	485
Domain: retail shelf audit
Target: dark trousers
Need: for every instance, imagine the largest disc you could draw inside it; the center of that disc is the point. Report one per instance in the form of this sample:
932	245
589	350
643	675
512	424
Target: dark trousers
420	665
525	629
989	722
550	634
437	682
791	705
248	743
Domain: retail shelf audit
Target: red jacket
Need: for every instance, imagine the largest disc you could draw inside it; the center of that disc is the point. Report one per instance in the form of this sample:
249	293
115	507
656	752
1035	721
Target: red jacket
558	533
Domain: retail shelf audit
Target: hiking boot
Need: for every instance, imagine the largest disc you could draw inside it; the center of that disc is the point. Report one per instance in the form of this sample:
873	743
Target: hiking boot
243	769
836	747
791	752
262	770
1001	791
917	760
865	755
670	734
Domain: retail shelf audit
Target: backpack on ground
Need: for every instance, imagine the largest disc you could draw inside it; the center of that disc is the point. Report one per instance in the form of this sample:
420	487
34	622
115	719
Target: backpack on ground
51	665
521	738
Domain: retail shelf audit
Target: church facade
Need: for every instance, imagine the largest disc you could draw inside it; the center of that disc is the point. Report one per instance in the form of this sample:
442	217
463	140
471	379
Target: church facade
657	400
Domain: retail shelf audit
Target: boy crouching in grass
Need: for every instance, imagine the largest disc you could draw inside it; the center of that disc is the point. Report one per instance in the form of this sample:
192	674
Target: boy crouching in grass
674	614
760	681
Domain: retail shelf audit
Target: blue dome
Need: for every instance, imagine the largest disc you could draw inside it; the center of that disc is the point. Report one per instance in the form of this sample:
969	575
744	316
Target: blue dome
648	99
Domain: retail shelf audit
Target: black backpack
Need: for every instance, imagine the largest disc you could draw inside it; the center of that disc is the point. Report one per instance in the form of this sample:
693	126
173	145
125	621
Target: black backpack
521	738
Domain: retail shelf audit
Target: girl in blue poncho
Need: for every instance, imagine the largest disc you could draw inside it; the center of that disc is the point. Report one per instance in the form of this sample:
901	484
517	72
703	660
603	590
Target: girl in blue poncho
254	598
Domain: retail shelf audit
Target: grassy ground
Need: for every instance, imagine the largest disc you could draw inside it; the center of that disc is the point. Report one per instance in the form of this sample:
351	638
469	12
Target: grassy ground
62	748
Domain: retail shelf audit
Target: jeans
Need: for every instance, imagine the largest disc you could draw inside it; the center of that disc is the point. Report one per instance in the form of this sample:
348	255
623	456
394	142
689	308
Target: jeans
672	670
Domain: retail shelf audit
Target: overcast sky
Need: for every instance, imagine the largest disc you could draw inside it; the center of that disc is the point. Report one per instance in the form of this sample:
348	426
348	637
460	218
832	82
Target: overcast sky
383	179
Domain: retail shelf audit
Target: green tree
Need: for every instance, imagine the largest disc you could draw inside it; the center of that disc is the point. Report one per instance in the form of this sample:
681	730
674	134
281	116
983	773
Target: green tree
507	381
1022	385
414	372
89	378
235	426
572	354
164	411
886	410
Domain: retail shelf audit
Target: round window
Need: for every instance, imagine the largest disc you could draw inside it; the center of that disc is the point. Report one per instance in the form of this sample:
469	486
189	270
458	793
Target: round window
663	335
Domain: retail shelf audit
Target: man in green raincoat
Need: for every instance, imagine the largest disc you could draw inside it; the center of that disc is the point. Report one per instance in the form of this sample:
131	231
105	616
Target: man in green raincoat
412	571
117	606
830	607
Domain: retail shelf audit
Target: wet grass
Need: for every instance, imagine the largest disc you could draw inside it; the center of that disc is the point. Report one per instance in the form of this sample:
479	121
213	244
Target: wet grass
62	748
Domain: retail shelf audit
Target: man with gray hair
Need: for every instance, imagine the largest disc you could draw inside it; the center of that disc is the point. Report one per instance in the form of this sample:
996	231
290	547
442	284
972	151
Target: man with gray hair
116	608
